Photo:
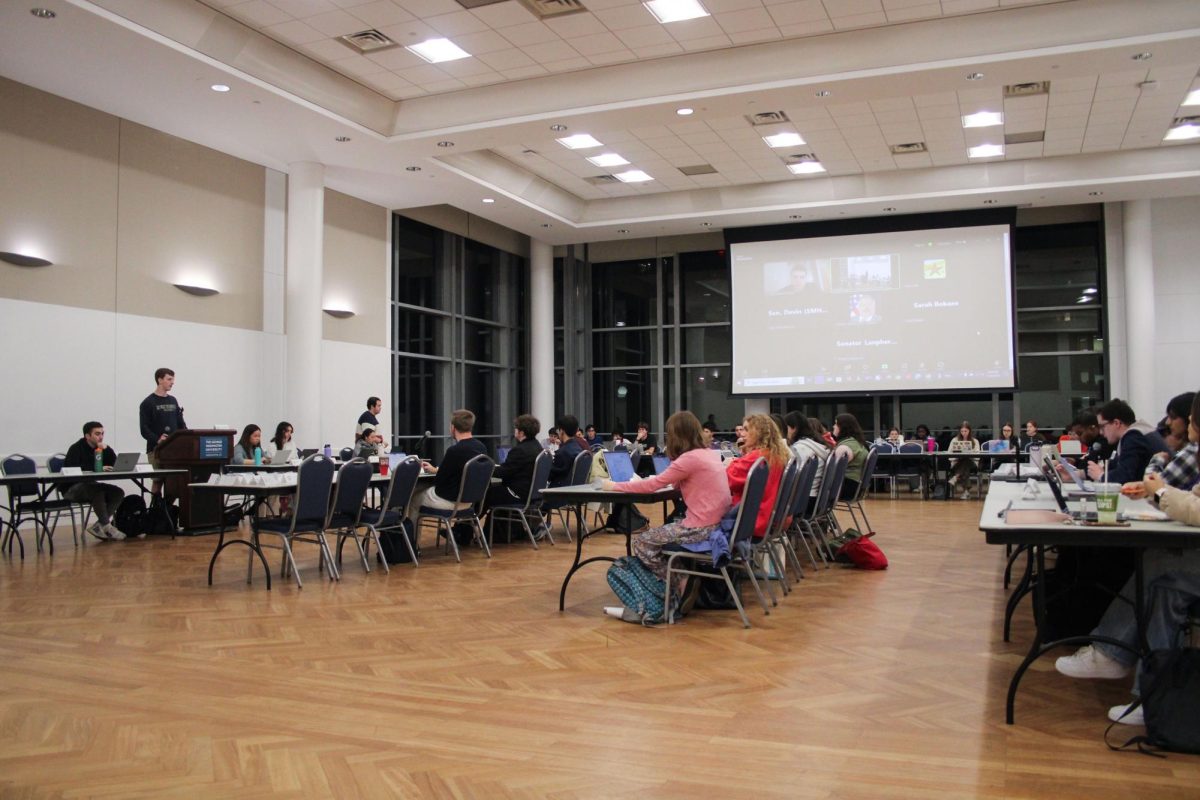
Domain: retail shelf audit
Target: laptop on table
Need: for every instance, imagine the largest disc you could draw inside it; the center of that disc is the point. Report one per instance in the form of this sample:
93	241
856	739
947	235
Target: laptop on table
127	462
620	465
1053	480
661	462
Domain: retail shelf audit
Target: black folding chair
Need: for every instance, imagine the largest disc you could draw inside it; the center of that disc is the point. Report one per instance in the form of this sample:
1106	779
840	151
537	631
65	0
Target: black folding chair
476	478
521	512
345	518
390	516
310	517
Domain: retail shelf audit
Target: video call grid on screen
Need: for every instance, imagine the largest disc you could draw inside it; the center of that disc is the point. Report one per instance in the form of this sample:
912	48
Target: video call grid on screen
916	310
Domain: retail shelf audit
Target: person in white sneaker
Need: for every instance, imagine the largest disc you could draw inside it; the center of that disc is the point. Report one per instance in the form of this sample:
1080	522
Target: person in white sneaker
103	497
1172	581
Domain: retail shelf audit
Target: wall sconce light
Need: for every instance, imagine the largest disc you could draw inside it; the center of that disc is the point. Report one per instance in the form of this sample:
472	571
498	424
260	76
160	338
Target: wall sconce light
19	260
339	313
198	291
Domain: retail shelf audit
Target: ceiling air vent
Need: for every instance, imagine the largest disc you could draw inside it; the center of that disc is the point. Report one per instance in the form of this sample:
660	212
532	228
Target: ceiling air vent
1027	89
602	180
699	169
546	9
767	118
371	41
908	147
799	158
478	3
1024	138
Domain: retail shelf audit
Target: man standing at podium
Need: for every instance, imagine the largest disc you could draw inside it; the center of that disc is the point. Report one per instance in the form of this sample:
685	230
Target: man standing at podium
160	415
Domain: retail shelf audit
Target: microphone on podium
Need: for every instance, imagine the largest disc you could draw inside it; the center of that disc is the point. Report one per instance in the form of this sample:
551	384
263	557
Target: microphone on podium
421	443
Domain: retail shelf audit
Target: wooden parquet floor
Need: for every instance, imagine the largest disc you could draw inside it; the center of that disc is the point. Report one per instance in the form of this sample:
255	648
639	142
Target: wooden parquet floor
122	674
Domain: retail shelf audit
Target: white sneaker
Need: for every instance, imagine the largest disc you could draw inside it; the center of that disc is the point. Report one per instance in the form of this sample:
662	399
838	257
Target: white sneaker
97	530
112	532
1088	662
1135	718
615	611
953	480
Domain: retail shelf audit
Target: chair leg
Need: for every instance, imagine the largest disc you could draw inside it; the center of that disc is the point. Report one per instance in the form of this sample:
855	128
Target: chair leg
327	556
737	600
379	546
482	539
789	554
866	522
290	561
450	541
757	589
780	574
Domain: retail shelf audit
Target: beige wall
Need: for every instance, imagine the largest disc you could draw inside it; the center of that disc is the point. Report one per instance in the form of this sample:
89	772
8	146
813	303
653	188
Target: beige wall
189	214
455	220
58	198
356	266
124	212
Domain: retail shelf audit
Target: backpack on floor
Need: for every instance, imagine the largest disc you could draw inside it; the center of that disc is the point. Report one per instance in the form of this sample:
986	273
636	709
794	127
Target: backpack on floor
858	549
626	517
130	517
1170	702
640	590
392	544
156	522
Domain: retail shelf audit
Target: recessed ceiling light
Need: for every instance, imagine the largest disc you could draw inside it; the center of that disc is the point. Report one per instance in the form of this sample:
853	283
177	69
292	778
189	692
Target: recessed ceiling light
446	144
806	168
985	151
489	200
1186	130
43	13
795	216
413	169
989	202
436	51
219	87
546	225
608	160
1192	99
1091	290
889	208
975	76
633	176
675	10
983	119
558	127
823	93
705	224
579	141
685	112
342	139
785	139
622	230
1095	194
1142	56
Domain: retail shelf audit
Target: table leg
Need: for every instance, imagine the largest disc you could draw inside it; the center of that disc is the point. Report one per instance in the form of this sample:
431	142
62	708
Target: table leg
254	547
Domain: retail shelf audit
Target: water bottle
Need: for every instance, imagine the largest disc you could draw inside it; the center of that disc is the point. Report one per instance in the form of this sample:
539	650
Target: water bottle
329	451
930	444
98	464
258	456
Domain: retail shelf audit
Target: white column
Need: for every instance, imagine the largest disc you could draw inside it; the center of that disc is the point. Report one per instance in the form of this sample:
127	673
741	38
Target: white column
1139	309
541	332
305	278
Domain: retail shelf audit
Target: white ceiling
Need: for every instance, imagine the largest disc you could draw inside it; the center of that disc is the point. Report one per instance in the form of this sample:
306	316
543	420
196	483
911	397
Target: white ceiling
889	81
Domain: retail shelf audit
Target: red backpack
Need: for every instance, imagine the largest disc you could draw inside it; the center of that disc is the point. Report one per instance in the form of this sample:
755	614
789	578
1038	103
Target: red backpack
863	553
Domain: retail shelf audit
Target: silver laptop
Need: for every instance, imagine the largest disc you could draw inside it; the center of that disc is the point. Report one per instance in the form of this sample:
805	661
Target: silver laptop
281	457
127	462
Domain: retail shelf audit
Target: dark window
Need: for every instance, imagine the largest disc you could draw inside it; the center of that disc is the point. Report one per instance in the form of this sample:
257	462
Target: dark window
704	286
417	252
624	349
624	294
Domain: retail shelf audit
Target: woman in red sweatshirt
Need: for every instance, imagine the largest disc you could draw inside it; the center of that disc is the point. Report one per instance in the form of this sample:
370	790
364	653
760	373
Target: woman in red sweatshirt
763	440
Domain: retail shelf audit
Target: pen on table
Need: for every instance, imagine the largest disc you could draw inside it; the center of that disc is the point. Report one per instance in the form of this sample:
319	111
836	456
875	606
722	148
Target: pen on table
1004	510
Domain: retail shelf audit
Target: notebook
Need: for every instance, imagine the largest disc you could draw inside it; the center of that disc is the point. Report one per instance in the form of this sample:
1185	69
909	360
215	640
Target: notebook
620	465
660	464
126	462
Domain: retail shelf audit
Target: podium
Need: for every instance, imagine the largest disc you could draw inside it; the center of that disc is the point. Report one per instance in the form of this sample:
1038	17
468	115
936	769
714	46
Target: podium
201	452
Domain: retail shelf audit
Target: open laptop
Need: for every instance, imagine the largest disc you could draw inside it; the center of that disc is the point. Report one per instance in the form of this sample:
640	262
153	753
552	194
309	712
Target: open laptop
306	452
1081	487
395	458
661	462
126	462
502	454
281	457
620	465
1053	481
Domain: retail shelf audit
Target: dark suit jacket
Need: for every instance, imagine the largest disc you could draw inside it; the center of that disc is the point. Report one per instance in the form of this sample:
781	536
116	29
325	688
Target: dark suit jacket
1134	452
564	458
516	473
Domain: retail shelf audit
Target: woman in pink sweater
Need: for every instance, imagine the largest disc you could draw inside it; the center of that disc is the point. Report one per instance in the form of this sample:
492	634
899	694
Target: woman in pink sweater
698	474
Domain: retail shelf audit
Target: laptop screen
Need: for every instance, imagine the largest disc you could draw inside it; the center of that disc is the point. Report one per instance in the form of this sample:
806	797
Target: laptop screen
395	458
502	454
660	464
620	465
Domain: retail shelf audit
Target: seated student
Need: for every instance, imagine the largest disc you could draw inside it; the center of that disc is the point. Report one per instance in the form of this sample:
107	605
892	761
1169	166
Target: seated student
850	437
551	441
1132	447
618	442
369	445
569	446
251	440
819	428
761	440
708	433
282	440
1032	436
805	444
894	437
516	473
1178	467
697	472
1007	436
644	444
103	497
739	436
1172	587
444	492
591	438
963	468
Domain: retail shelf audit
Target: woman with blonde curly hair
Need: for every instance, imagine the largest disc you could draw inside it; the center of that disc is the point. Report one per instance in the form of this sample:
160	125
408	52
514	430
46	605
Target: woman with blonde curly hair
762	441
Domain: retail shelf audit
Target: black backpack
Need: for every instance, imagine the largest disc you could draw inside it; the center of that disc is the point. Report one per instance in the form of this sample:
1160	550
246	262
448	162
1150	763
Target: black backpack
1170	702
625	517
130	518
392	544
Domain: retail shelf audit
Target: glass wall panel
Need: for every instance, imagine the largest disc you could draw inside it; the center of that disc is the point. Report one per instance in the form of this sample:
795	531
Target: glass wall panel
708	345
621	399
706	393
704	287
482	342
481	392
417	397
624	348
624	294
483	269
417	251
419	333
